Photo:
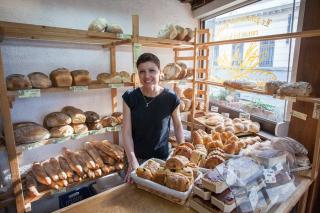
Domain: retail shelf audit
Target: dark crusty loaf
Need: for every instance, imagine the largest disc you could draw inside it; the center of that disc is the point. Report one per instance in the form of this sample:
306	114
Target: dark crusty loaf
56	119
77	115
81	77
39	80
17	81
28	132
61	77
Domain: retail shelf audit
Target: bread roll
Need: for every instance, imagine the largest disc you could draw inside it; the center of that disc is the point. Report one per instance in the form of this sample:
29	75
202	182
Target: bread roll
92	117
109	121
98	25
197	138
125	77
213	161
160	176
189	35
118	116
79	128
177	181
188	93
77	115
182	32
28	132
184	151
113	28
81	77
171	71
55	119
61	131
94	126
39	80
61	77
144	173
18	81
104	78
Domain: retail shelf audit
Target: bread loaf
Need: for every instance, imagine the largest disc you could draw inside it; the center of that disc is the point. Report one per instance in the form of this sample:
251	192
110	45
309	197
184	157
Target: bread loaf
125	77
31	185
98	25
239	84
87	159
77	116
81	77
188	93
171	71
55	119
61	131
39	173
61	77
55	165
91	116
79	128
182	32
106	158
28	132
104	78
72	161
94	154
109	121
65	166
118	116
94	126
189	35
113	28
295	89
184	71
18	81
170	32
81	161
52	172
271	87
177	162
39	80
110	149
177	181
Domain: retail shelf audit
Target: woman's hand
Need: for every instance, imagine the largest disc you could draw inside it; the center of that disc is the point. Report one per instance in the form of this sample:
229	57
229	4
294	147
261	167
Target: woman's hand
132	166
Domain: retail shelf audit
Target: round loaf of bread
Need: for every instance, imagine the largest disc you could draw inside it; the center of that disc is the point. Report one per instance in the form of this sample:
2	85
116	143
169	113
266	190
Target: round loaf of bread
182	32
39	80
113	28
55	119
77	115
188	93
183	73
92	117
189	35
79	128
125	77
61	131
170	32
17	81
118	116
115	78
182	106
98	25
187	104
61	77
109	121
171	71
94	126
81	77
29	132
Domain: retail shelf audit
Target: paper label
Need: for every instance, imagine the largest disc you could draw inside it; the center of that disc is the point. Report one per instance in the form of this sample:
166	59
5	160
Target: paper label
269	176
113	129
77	136
124	36
300	115
116	85
214	109
78	88
29	93
136	51
316	111
182	82
244	115
225	114
95	132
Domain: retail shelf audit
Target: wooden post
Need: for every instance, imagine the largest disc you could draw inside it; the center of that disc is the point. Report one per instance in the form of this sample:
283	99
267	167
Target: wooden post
10	142
206	99
195	62
114	100
302	203
135	47
1	34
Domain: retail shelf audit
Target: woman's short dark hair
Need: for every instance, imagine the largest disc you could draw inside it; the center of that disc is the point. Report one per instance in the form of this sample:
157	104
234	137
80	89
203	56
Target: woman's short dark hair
145	57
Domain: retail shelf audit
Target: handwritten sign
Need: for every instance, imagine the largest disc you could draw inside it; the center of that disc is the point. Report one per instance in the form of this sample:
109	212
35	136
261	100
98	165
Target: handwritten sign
243	115
214	109
118	85
29	93
78	88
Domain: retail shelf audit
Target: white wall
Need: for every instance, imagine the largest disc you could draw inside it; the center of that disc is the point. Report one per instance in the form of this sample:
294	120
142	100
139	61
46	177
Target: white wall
25	57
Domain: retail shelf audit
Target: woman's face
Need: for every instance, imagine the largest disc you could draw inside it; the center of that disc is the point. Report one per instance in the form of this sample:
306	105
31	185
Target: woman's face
149	74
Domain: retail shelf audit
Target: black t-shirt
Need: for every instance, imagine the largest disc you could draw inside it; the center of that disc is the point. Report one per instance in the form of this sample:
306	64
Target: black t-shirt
151	124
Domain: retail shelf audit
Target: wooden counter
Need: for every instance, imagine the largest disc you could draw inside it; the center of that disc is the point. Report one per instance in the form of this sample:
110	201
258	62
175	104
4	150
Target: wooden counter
125	198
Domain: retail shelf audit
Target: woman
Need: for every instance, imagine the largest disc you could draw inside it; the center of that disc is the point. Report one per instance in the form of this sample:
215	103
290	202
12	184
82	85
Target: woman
146	115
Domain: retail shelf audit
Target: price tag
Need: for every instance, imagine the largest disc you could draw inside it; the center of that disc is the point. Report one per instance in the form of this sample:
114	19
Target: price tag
182	82
95	132
316	111
244	115
77	136
269	176
124	36
78	88
300	115
253	198
136	51
227	115
116	85
113	129
29	93
214	109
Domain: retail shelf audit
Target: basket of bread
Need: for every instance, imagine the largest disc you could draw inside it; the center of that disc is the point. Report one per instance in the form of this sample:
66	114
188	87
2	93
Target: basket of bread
172	179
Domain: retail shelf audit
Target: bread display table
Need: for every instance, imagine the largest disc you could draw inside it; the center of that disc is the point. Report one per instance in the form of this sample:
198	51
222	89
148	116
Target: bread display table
125	198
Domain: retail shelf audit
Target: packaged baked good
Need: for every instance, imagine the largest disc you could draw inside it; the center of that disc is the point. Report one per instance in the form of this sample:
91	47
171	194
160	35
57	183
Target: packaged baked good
28	132
81	77
203	206
200	191
77	116
61	77
39	80
225	200
18	81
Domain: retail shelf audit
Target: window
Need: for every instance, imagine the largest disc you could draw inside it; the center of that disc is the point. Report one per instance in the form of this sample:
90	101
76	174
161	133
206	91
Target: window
237	53
266	53
255	61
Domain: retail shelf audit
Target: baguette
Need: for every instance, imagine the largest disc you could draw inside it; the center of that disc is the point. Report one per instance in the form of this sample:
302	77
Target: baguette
72	161
87	159
110	149
50	171
82	162
65	167
106	158
106	169
91	174
40	174
55	165
94	154
31	184
98	172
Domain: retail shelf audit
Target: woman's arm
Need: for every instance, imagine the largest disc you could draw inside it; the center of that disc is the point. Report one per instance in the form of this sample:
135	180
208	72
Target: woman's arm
178	129
127	138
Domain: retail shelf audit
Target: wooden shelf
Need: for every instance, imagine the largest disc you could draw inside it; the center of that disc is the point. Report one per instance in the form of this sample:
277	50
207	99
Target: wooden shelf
166	43
179	81
45	192
74	89
24	147
262	92
56	34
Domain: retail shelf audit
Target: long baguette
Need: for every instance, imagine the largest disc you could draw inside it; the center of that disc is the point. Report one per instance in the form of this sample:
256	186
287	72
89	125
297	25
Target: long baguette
72	161
88	160
81	161
106	158
107	150
40	174
65	166
93	153
50	171
31	184
55	165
